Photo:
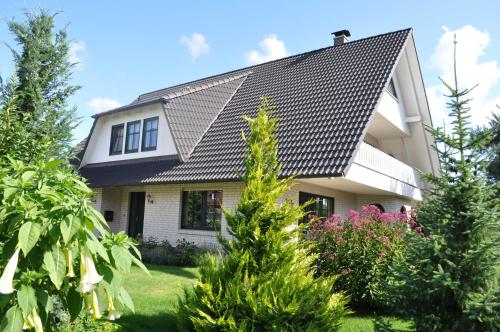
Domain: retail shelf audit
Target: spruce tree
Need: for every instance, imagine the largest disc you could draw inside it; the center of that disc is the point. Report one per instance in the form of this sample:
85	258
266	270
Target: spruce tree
264	281
36	97
449	280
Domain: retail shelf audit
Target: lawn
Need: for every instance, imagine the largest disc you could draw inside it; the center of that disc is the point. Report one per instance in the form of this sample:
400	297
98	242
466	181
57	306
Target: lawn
155	297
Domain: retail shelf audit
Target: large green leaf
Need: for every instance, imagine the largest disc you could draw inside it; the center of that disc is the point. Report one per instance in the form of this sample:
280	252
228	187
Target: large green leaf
122	258
75	303
112	279
95	246
13	320
55	264
27	176
29	233
126	300
27	299
9	191
70	225
44	300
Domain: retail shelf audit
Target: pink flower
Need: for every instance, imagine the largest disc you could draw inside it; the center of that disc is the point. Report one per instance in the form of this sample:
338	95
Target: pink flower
419	230
356	224
371	211
387	217
353	215
382	254
384	239
339	240
371	234
346	271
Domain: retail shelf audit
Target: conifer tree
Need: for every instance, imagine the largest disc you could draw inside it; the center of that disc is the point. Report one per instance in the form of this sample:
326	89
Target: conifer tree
264	281
450	280
36	97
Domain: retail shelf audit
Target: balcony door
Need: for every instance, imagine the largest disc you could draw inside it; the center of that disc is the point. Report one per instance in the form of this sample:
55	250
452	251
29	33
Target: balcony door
136	214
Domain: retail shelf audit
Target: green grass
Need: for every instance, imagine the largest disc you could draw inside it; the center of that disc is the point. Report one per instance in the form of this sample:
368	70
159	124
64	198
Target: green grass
155	298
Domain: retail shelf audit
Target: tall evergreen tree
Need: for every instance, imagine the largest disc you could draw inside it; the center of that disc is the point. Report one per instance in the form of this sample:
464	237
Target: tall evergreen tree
450	280
37	94
264	282
494	165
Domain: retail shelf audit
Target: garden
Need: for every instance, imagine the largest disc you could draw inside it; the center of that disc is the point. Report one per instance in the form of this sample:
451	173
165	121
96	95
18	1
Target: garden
435	268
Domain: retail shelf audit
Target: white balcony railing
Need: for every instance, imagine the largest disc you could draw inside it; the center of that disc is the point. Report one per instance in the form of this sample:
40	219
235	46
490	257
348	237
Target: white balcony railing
378	161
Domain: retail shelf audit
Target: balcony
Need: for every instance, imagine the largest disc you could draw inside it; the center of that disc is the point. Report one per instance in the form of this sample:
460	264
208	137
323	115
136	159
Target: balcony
374	172
380	162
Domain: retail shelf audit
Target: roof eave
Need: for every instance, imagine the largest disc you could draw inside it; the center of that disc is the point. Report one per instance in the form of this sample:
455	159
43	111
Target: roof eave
129	107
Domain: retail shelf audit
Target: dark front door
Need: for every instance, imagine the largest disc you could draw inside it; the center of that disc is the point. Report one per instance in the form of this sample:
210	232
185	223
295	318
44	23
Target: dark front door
136	214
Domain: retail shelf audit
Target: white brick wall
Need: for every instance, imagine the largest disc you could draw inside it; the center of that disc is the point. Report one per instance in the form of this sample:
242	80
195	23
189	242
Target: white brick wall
162	217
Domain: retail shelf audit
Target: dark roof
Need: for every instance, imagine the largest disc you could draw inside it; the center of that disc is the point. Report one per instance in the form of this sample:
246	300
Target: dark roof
323	98
126	172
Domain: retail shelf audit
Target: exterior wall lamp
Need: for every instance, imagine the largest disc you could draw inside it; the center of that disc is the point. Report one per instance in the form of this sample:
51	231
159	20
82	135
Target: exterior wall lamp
150	198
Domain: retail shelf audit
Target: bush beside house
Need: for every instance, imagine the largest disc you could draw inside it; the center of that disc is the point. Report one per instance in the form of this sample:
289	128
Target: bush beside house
359	248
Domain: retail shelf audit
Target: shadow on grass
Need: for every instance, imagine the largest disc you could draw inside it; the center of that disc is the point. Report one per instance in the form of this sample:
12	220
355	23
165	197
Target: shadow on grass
148	323
173	270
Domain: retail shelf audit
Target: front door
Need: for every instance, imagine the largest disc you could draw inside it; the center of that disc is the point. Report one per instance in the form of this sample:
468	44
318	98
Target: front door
136	214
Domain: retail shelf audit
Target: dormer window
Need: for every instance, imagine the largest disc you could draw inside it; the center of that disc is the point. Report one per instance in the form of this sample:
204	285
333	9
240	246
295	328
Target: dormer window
392	89
116	144
149	134
133	134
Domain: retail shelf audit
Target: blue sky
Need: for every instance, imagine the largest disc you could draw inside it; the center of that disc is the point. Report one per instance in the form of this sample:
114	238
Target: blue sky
130	47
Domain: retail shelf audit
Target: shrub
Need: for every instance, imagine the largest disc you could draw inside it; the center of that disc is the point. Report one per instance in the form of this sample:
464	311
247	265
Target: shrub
163	253
264	282
359	249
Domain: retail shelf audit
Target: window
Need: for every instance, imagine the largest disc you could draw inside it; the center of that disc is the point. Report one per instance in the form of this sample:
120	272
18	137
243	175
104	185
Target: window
379	206
321	206
149	134
392	89
133	131
201	210
116	144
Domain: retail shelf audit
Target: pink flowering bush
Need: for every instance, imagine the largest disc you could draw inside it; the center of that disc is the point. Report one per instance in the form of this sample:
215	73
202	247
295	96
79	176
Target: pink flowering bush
360	248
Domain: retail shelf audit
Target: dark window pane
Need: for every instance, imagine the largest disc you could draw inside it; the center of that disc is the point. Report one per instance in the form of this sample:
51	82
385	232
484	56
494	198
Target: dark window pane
392	89
116	144
132	141
319	206
201	210
150	134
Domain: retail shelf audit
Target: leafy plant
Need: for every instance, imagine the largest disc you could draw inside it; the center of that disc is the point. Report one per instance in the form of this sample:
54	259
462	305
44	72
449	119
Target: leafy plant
359	249
451	280
48	232
264	281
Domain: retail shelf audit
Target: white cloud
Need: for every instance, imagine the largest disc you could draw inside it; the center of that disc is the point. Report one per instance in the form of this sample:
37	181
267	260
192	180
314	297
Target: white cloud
75	52
102	104
271	48
471	69
196	45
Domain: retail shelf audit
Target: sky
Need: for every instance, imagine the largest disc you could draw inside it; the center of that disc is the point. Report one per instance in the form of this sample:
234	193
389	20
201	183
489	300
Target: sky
125	48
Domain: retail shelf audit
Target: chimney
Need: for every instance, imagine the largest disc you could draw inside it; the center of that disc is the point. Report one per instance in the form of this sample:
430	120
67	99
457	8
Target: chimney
341	37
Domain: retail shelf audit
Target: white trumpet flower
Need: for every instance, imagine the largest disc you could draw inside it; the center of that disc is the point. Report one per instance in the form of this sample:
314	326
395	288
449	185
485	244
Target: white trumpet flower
96	313
8	274
113	314
69	263
88	274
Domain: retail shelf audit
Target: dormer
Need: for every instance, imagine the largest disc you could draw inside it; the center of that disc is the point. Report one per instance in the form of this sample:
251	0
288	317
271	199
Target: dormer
139	132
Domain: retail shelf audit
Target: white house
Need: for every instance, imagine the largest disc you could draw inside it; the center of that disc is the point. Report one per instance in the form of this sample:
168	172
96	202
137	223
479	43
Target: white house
353	119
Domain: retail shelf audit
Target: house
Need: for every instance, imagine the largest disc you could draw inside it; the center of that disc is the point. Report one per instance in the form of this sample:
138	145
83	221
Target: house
353	121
